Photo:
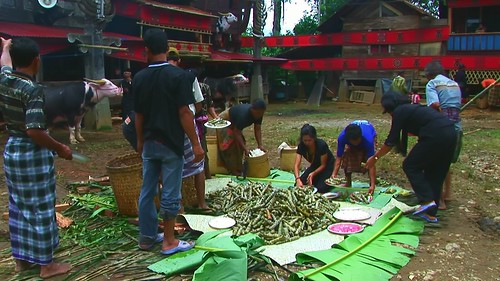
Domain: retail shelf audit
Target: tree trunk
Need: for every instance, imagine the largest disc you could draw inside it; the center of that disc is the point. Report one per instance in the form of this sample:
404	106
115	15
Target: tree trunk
277	7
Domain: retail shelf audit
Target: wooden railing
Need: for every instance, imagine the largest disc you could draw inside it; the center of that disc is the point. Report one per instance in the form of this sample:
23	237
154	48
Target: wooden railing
489	41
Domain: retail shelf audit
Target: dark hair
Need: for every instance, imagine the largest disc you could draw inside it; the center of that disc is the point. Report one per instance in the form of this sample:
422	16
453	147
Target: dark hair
23	51
156	41
127	70
434	68
308	130
259	104
353	132
391	100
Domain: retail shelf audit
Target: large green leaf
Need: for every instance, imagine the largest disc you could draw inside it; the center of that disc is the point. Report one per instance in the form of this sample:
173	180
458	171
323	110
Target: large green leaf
217	257
373	254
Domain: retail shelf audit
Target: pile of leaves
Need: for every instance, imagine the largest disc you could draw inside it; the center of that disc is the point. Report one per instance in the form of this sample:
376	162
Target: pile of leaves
277	215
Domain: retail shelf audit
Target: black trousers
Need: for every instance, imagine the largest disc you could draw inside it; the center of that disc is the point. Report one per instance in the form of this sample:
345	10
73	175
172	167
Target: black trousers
319	179
427	164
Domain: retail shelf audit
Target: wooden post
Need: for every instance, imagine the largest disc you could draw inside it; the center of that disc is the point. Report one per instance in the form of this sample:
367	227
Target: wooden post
98	118
257	91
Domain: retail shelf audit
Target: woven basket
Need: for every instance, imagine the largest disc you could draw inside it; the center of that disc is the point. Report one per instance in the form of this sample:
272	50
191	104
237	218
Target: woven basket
188	192
258	167
125	175
287	158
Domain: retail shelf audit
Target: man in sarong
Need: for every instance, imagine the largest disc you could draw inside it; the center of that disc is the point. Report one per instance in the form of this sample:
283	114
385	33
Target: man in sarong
29	161
232	144
360	138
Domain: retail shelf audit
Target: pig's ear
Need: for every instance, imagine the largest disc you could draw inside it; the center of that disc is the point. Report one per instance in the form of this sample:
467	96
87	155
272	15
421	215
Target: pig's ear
98	82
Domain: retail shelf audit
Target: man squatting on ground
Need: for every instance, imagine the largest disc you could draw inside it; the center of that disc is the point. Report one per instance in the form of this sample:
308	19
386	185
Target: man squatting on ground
29	160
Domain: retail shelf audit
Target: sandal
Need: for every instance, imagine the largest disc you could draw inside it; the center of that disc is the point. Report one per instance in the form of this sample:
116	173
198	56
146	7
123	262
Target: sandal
424	208
428	219
148	245
181	247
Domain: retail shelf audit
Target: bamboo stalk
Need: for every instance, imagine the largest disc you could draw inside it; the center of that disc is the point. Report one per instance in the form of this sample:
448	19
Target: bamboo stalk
392	221
256	179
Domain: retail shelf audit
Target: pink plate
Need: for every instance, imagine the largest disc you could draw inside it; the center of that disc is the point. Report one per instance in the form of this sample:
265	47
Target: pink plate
345	228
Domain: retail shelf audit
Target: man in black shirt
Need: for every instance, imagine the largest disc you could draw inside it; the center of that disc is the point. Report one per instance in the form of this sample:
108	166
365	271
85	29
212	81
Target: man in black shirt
428	162
162	94
232	144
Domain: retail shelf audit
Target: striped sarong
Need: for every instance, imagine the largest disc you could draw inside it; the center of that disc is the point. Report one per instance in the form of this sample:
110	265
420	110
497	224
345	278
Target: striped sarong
352	158
30	177
191	168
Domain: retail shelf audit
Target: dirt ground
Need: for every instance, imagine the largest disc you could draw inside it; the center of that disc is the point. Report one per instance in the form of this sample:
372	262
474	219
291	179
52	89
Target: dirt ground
465	245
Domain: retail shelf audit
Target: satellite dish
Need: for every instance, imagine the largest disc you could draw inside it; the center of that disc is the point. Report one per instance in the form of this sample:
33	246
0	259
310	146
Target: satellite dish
47	4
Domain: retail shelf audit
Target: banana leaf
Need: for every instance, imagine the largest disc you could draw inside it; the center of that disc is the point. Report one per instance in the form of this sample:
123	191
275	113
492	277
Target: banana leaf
373	254
214	257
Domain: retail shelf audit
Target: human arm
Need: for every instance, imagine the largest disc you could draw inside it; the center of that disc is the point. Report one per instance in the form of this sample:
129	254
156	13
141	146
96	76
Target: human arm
372	173
431	96
336	167
322	166
257	128
296	170
139	122
211	111
186	117
379	154
41	138
341	142
5	59
238	135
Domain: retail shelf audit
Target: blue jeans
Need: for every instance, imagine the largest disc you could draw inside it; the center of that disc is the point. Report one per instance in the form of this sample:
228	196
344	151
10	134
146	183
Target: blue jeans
159	159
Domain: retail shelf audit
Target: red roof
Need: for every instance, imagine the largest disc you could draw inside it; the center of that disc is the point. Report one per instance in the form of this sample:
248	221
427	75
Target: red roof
240	57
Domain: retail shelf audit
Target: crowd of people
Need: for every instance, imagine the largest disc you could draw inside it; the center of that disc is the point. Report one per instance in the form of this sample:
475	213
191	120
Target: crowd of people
177	149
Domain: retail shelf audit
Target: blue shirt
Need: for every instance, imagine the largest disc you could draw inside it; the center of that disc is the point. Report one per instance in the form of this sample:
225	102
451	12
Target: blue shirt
368	135
445	91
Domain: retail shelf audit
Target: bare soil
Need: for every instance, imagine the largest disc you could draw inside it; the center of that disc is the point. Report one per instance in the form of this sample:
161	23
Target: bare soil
465	245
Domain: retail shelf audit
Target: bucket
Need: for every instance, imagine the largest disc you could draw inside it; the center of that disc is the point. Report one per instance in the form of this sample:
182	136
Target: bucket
213	149
258	167
125	176
188	192
287	158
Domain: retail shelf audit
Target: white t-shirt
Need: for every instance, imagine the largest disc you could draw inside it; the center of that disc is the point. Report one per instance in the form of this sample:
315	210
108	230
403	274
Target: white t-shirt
198	95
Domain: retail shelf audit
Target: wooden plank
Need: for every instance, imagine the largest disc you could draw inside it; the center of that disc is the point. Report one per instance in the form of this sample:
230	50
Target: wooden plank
59	208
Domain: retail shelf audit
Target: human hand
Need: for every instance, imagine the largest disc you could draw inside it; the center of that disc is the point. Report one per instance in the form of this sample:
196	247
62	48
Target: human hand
370	162
262	148
199	153
310	179
299	183
64	152
6	43
140	146
247	152
371	189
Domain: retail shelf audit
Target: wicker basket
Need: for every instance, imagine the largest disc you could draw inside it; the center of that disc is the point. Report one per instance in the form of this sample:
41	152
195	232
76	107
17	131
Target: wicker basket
258	167
188	192
287	158
125	175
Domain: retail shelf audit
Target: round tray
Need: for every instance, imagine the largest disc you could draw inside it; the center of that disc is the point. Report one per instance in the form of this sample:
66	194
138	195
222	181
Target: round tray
331	195
221	223
332	184
344	228
351	215
210	126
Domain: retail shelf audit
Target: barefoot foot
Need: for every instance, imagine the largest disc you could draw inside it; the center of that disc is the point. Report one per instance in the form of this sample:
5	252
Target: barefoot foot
54	269
22	265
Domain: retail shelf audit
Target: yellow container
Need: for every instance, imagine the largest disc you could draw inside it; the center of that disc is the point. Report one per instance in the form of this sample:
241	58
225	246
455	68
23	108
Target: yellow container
258	167
213	149
287	158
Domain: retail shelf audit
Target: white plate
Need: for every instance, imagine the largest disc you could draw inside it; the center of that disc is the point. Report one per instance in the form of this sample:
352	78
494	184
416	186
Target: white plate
331	195
351	215
210	126
221	222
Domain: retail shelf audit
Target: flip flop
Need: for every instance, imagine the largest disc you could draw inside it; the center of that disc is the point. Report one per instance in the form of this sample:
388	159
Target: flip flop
424	208
146	246
428	219
181	247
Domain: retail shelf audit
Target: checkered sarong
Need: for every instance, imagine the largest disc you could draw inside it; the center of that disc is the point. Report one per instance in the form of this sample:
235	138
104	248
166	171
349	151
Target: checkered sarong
30	177
352	158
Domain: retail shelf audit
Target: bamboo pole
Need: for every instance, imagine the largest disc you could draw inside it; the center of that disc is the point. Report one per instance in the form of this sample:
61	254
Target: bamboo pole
480	94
